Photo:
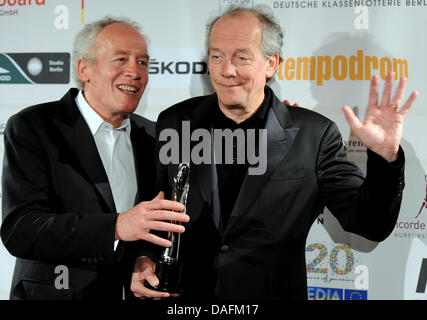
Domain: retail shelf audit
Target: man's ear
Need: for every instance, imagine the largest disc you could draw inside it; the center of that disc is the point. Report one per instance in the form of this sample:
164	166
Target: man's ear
272	65
83	70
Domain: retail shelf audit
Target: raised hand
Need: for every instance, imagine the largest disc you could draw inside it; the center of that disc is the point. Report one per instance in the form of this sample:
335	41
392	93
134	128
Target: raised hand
381	132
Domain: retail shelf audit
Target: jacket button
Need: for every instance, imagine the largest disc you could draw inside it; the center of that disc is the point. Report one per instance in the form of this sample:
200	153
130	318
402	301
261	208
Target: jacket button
224	248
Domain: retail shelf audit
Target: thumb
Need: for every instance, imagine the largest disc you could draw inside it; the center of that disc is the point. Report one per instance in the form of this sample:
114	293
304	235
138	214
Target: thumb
160	196
352	119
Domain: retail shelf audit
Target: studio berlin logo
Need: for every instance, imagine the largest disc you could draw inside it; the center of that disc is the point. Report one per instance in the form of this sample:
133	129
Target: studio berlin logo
34	68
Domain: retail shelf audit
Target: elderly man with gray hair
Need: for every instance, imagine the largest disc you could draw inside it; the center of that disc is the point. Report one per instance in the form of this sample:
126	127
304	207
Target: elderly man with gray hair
247	233
78	176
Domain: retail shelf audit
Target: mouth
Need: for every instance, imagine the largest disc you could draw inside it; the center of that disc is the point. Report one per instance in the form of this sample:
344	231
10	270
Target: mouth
130	90
229	85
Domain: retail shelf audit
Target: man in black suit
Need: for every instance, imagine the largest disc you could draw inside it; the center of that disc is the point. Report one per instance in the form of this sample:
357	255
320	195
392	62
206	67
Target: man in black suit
78	176
247	233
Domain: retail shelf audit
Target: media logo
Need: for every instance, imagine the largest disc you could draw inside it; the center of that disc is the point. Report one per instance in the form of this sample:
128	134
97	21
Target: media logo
35	68
322	293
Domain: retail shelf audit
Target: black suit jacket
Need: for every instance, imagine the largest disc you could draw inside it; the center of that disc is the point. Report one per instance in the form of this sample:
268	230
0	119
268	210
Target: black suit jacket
260	253
58	208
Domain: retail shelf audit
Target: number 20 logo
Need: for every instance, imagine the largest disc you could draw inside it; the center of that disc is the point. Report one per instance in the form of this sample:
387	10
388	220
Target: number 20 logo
312	267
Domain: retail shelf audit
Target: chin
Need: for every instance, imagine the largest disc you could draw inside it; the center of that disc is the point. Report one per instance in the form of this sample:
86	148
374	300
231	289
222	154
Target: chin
129	108
231	102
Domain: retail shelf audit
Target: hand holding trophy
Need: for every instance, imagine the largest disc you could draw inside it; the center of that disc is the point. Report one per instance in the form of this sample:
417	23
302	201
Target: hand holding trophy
169	266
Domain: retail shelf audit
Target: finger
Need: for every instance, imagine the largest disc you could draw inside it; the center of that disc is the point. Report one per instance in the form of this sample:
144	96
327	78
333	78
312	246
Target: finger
398	96
388	87
149	237
167	215
165	205
141	291
165	226
151	278
405	108
160	196
155	294
296	104
352	119
373	91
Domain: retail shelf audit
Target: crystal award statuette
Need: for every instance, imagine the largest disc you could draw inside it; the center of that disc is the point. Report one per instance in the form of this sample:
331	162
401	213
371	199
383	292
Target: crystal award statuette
169	266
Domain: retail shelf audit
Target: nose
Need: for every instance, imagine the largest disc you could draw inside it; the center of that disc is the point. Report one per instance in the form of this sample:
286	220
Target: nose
133	69
228	69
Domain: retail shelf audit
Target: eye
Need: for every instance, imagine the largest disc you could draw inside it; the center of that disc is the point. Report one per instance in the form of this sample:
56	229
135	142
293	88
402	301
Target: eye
242	59
216	58
143	62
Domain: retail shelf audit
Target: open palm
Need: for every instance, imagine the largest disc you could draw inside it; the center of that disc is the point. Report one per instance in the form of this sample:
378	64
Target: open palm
381	132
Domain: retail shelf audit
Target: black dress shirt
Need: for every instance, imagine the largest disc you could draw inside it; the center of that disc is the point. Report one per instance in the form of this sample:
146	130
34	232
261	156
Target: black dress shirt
231	176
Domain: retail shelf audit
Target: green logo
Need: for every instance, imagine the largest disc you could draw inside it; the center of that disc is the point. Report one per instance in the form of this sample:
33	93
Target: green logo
35	68
10	72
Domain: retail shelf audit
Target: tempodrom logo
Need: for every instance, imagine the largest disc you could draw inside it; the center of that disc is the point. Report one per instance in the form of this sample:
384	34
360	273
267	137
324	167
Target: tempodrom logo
360	66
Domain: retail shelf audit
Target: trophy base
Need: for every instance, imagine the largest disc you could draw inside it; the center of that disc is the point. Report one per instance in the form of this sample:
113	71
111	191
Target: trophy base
169	275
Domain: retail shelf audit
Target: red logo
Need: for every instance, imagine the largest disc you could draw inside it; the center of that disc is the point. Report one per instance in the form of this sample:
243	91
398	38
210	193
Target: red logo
424	204
21	2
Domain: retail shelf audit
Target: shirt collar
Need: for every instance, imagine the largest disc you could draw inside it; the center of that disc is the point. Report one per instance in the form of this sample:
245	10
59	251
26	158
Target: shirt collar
256	121
93	119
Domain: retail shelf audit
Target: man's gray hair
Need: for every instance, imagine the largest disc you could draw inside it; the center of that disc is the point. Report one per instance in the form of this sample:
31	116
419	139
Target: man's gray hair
272	34
84	42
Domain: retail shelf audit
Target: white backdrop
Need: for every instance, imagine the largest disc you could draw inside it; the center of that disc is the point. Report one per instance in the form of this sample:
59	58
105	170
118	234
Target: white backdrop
332	48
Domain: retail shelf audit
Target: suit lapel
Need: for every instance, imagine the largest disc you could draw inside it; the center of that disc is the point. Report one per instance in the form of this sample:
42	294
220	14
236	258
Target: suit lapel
280	136
143	150
201	174
81	146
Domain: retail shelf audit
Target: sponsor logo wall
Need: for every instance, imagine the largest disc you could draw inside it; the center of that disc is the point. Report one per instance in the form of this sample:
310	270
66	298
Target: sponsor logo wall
331	50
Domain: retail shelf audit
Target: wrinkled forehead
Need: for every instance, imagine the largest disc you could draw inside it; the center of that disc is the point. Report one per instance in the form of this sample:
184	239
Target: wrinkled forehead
119	31
239	30
120	37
